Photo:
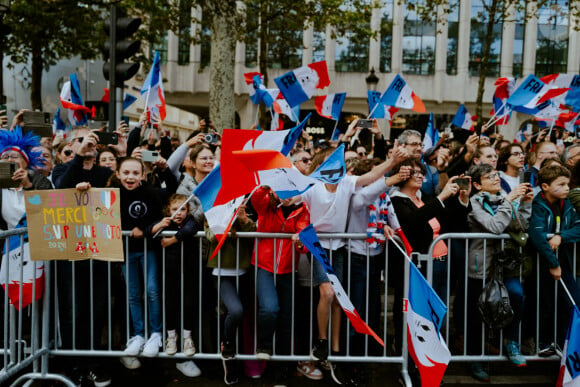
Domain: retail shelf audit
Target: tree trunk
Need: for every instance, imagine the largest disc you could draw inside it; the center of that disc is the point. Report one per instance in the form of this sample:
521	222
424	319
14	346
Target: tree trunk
222	69
485	61
36	85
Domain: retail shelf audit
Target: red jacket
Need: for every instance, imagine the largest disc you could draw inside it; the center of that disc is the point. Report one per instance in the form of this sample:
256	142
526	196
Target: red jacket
272	220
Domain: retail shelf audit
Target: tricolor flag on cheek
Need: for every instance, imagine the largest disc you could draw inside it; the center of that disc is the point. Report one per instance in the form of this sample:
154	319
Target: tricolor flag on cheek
153	90
71	99
570	365
382	110
309	238
425	313
330	106
299	85
463	119
400	95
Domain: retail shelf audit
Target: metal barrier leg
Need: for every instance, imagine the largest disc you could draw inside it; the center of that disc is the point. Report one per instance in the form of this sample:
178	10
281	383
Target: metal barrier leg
405	366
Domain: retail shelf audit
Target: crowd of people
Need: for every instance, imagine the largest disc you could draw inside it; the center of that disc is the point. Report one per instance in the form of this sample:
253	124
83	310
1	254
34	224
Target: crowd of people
482	184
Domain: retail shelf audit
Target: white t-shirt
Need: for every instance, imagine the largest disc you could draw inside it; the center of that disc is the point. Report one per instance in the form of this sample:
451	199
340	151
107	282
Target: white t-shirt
513	182
329	210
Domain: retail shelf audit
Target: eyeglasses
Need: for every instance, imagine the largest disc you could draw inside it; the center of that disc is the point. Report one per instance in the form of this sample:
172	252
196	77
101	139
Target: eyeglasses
517	154
491	176
10	156
361	154
417	172
67	152
306	160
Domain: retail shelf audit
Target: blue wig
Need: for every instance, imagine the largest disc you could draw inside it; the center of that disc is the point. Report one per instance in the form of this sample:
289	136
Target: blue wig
13	140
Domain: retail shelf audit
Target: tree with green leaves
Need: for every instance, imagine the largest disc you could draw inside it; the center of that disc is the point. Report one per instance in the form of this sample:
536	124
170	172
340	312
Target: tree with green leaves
44	32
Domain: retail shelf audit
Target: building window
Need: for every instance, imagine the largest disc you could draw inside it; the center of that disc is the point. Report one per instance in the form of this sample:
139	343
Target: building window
205	45
419	43
252	23
552	43
352	53
183	44
162	48
520	21
452	36
479	20
318	46
386	36
281	54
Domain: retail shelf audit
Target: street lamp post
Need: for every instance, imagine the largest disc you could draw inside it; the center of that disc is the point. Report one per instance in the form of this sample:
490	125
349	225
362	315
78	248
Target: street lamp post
372	80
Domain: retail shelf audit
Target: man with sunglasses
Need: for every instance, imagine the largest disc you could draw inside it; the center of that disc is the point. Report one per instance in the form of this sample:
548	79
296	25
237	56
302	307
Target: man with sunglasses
302	161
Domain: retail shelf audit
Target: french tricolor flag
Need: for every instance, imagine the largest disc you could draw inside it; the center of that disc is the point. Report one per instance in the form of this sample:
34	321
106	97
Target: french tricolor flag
431	134
71	99
533	93
569	367
572	81
425	314
153	90
281	106
400	95
57	122
504	87
330	106
309	238
299	85
257	90
382	110
463	119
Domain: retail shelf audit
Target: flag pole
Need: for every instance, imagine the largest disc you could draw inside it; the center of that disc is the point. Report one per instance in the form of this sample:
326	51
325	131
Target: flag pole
175	213
373	110
567	292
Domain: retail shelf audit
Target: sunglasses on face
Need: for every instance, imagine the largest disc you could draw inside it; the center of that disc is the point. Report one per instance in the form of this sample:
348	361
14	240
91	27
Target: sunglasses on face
67	152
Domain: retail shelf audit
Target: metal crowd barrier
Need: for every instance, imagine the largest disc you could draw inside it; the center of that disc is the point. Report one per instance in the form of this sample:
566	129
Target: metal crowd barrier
74	321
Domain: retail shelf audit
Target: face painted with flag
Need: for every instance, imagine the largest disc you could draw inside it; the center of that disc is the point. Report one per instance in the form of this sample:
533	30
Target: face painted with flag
152	91
299	85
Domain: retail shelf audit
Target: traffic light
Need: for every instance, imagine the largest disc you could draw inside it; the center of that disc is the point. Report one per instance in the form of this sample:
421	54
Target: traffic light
125	48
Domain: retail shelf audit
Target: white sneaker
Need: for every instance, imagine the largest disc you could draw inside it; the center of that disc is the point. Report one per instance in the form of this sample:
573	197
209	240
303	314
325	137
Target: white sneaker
188	368
130	362
171	345
151	348
134	345
188	347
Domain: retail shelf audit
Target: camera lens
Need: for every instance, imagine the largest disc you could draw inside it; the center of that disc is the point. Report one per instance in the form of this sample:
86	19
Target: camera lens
208	138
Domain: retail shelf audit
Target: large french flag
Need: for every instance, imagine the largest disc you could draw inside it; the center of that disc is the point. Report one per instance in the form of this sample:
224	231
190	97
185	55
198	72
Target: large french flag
532	93
431	134
236	180
330	106
400	95
381	110
257	89
425	313
287	181
21	267
462	118
153	90
309	238
504	87
71	99
571	81
570	365
299	85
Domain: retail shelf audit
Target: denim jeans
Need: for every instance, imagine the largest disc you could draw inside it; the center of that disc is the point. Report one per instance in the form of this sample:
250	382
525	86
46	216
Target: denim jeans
134	280
440	278
232	297
275	310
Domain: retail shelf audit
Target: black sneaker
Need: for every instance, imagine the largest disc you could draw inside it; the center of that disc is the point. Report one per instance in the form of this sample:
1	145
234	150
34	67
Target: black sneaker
337	372
228	350
320	350
230	372
99	377
547	350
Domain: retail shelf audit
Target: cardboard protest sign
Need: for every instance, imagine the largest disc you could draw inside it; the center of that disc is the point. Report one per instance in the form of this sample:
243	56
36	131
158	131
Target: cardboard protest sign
71	224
